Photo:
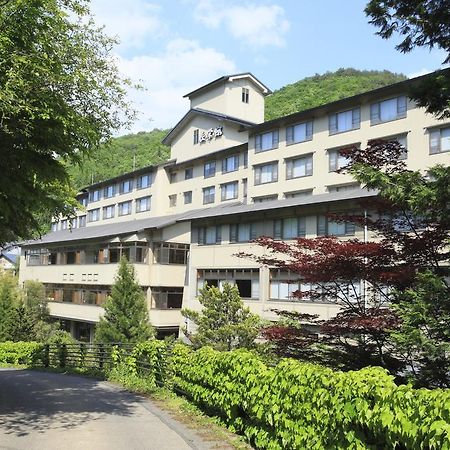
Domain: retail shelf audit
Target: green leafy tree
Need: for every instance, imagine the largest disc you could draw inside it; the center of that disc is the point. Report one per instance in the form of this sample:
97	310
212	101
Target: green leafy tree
9	302
61	96
420	23
126	316
223	323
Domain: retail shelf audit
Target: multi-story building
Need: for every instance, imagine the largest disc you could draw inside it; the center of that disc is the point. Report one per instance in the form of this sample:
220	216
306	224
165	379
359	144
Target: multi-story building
231	178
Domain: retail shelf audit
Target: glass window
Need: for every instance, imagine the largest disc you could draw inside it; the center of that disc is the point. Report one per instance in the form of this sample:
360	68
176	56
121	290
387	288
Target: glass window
188	173
109	211
209	195
109	191
64	224
54	226
299	167
94	215
440	140
125	208
196	136
95	195
267	173
328	227
144	181
172	200
171	253
82	221
187	197
392	109
210	235
230	164
143	204
209	169
344	121
126	186
299	133
83	201
245	95
266	141
229	190
336	160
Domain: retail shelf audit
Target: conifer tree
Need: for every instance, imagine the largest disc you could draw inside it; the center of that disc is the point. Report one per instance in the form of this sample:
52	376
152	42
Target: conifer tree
224	323
126	316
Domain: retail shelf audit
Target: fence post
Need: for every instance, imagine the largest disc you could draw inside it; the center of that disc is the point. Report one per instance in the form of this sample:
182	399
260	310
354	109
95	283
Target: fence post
62	353
82	354
46	359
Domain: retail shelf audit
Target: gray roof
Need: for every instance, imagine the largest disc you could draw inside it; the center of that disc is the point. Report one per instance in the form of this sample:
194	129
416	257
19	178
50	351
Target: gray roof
240	208
99	231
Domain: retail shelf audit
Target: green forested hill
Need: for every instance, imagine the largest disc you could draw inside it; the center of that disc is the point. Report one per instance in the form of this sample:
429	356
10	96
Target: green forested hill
117	157
326	88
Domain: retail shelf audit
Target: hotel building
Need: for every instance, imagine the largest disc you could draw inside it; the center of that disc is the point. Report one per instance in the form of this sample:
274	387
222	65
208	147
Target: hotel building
231	178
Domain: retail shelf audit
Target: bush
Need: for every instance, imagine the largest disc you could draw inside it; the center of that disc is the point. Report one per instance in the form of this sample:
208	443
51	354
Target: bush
20	352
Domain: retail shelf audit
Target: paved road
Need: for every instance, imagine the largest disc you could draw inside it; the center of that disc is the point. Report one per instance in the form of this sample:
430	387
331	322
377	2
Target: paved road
49	411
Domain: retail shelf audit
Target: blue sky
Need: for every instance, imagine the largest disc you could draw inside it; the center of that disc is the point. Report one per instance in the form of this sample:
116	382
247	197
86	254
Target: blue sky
175	46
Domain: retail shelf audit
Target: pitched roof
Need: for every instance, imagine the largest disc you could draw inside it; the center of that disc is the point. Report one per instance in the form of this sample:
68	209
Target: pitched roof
203	112
265	90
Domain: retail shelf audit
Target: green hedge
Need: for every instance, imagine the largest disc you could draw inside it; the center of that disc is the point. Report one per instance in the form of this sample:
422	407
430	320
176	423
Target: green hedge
297	405
19	352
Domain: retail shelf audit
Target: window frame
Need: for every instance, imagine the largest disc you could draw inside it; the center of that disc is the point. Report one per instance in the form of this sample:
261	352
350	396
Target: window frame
209	195
259	141
120	208
375	110
258	173
209	169
290	166
148	199
436	149
333	121
290	132
223	190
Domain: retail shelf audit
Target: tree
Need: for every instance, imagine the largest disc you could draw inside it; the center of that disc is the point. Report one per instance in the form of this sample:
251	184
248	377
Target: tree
421	23
9	301
223	323
393	313
60	96
126	316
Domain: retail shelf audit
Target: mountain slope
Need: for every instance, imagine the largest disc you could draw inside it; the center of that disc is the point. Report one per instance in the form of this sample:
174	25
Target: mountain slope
321	89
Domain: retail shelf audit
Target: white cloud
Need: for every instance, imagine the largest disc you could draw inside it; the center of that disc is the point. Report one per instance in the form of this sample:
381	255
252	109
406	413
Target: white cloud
254	25
419	73
182	67
132	21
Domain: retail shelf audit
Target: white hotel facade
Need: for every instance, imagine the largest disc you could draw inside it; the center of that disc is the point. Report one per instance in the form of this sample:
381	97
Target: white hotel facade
231	177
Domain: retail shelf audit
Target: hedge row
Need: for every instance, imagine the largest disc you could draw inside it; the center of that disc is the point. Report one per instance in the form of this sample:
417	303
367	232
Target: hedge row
292	405
19	352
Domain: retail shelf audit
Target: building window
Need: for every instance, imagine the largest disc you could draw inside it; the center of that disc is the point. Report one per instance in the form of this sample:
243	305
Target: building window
94	215
387	110
209	169
172	200
299	133
171	253
143	204
246	280
109	191
196	136
167	297
242	232
285	290
266	173
289	228
82	221
172	177
188	173
230	164
187	197
144	181
343	187
344	121
266	141
95	196
336	160
210	235
244	187
64	224
265	198
209	195
245	160
245	95
229	191
83	201
299	167
327	227
439	140
297	194
73	222
126	186
109	211
54	226
125	208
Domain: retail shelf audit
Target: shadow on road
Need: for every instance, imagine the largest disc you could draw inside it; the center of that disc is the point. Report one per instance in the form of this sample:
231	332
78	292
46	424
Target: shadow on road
35	402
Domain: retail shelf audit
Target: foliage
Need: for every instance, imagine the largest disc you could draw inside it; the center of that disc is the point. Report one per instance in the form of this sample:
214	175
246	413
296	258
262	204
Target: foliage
321	89
19	352
126	316
116	157
224	322
420	23
61	95
9	301
298	405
